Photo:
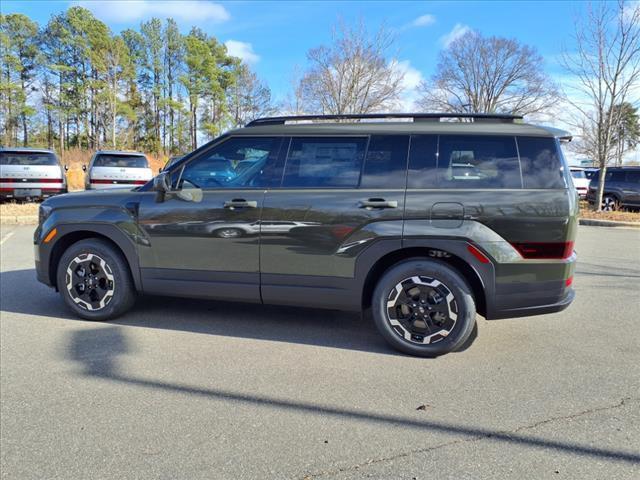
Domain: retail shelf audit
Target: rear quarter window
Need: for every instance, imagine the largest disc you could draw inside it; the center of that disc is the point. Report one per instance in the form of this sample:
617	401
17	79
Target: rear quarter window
466	161
120	161
541	162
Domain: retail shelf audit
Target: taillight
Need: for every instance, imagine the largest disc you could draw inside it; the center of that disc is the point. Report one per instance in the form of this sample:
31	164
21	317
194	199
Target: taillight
548	250
568	282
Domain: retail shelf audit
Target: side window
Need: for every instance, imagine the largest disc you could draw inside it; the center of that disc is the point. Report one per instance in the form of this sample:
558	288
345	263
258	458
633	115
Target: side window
467	161
239	162
423	162
633	176
324	162
541	162
386	162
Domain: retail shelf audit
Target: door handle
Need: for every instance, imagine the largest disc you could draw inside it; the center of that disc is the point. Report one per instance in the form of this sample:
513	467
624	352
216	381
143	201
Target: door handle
240	203
372	203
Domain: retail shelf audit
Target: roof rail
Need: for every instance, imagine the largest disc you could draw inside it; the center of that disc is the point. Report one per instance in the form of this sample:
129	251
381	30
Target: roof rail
416	117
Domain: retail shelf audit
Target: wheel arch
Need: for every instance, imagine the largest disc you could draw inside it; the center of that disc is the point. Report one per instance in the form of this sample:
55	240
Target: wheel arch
453	260
110	235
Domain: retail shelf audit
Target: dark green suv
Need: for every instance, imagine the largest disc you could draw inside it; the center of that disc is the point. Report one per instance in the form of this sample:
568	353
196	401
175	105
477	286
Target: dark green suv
423	219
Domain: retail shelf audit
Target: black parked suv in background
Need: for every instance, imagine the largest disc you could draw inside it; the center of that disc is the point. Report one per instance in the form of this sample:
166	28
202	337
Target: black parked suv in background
621	188
424	221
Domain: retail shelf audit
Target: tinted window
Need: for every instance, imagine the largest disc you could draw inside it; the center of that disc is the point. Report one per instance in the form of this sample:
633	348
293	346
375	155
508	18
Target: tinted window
615	176
466	161
121	161
422	162
386	162
633	176
218	167
541	163
578	174
324	162
27	158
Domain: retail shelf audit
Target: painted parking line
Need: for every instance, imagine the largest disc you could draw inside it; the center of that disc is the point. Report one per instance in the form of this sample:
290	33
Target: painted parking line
6	237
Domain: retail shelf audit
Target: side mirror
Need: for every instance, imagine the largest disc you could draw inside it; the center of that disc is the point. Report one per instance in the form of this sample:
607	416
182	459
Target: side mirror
84	168
162	185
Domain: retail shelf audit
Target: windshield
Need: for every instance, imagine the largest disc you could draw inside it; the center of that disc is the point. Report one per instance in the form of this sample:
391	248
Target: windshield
122	161
578	174
28	158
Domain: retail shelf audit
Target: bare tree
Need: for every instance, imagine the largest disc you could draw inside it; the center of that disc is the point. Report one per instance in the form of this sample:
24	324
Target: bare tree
606	67
250	98
353	75
488	75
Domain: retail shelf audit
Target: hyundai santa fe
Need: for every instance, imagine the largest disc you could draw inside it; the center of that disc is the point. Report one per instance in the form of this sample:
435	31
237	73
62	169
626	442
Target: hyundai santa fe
421	219
30	173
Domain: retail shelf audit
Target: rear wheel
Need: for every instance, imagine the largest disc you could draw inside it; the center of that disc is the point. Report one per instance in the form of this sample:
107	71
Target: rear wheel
94	280
424	308
610	203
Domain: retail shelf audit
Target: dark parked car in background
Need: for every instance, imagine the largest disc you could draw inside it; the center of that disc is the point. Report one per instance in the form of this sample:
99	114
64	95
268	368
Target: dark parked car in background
621	188
421	220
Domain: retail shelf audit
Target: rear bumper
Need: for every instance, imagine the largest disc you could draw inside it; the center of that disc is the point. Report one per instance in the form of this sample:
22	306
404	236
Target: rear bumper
10	193
556	305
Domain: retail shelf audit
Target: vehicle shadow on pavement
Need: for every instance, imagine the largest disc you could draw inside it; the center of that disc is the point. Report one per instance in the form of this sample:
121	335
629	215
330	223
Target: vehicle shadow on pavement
22	293
96	350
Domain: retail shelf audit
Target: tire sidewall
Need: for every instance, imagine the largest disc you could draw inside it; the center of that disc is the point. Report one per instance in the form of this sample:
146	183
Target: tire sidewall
123	294
451	279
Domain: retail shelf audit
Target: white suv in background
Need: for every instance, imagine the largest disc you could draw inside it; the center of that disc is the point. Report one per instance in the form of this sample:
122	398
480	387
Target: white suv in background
30	173
580	181
113	169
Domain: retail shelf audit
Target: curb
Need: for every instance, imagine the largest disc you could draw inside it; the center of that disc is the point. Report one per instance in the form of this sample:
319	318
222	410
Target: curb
19	220
607	223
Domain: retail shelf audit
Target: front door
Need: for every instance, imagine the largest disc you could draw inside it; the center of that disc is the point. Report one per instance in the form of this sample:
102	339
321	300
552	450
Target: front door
203	239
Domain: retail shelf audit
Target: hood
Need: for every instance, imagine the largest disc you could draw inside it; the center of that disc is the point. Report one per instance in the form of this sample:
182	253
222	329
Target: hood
117	197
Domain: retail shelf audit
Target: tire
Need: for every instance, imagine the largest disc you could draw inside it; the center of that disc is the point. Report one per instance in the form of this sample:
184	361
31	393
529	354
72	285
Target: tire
448	321
229	233
610	203
105	271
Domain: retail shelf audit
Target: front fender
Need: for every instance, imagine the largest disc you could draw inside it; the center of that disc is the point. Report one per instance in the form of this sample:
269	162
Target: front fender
117	224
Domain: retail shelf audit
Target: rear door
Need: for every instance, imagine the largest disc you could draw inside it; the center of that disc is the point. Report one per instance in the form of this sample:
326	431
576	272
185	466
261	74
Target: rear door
632	187
338	195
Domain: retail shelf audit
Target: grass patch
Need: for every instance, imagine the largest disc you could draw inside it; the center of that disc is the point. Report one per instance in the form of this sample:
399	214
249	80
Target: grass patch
622	216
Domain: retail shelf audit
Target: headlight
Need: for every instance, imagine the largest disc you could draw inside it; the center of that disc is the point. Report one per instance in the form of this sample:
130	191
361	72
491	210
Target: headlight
43	213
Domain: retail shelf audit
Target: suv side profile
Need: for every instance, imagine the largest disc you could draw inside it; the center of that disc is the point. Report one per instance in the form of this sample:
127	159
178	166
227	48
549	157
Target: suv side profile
424	222
621	188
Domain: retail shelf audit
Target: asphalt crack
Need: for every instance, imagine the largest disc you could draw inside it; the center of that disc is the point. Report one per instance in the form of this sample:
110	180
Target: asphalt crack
475	438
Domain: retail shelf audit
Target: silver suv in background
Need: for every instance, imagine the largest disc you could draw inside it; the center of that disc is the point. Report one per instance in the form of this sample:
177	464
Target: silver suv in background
113	169
30	173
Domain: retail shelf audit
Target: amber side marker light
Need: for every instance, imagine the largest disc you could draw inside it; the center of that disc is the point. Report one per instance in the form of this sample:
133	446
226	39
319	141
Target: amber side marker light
50	235
482	258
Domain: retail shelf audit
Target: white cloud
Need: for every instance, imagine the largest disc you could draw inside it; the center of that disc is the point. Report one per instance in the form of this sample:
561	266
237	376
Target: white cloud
242	50
424	21
120	11
456	32
410	83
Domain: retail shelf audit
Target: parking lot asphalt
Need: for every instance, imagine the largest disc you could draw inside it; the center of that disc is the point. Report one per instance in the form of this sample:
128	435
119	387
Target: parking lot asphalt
187	389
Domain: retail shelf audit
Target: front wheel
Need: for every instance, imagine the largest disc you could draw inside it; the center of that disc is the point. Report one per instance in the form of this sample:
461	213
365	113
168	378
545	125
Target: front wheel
94	280
424	308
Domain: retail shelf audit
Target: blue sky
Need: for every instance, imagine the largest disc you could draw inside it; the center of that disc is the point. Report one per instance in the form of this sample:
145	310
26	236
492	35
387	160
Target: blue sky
275	36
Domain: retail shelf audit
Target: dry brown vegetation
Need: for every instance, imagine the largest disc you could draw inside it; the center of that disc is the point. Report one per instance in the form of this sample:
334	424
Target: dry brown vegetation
587	212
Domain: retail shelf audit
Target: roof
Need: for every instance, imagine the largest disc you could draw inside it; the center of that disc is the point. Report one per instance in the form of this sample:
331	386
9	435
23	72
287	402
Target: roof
119	152
386	127
26	150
